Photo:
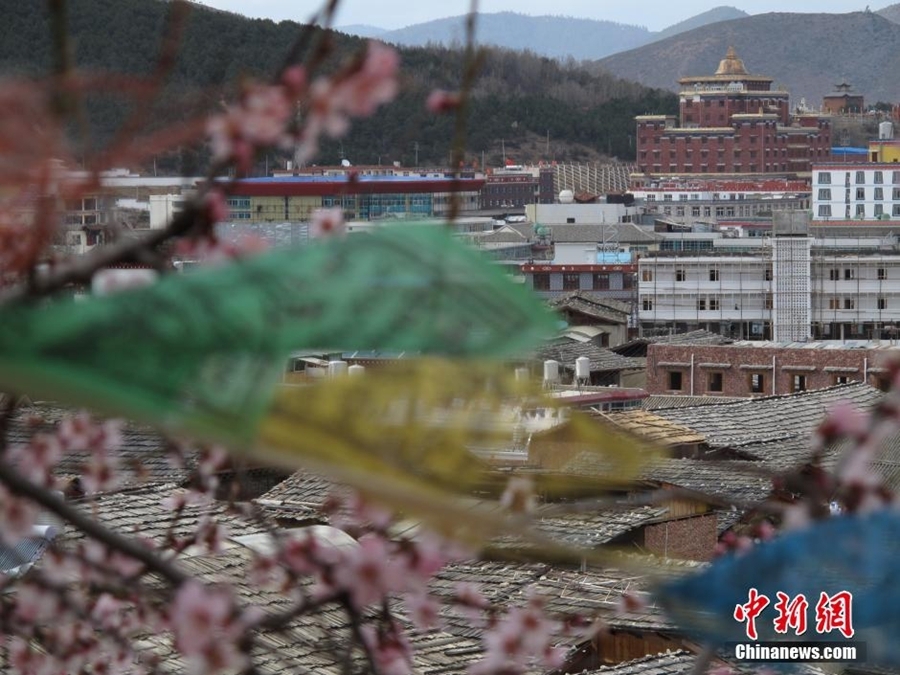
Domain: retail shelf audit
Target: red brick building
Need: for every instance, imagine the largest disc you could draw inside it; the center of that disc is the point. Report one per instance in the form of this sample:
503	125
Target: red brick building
732	122
764	369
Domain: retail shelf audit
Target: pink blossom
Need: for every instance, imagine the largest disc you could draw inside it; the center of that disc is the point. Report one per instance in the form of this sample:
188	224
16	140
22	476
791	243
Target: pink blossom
216	206
294	80
389	648
844	420
440	101
211	534
74	432
375	83
17	515
424	611
35	604
519	496
202	619
367	572
327	223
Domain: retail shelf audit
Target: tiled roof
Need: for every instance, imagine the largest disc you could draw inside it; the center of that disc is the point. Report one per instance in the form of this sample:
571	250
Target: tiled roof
638	347
566	350
589	530
657	401
299	497
670	663
652	427
624	233
730	480
143	455
141	512
593	305
739	423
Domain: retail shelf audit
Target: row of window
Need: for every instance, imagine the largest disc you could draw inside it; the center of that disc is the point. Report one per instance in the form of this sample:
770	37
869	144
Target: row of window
756	382
850	303
571	281
859	210
860	177
877	194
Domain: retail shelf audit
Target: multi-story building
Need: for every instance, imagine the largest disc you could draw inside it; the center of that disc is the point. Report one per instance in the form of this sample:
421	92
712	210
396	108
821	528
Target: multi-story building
732	122
514	187
842	101
855	194
755	369
361	197
821	289
691	200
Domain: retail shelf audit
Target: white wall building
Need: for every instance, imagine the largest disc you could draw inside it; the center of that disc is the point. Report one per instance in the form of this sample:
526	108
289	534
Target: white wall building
844	295
855	192
585	214
163	208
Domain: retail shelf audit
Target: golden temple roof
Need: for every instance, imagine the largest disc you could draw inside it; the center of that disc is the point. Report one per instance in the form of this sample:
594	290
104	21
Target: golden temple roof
731	64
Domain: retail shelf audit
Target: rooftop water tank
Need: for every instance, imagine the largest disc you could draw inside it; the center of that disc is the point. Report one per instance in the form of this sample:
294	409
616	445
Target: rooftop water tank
551	372
582	368
566	197
885	131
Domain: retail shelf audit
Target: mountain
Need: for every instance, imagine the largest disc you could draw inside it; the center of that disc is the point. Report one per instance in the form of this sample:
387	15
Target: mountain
891	12
554	36
714	15
804	53
519	100
362	30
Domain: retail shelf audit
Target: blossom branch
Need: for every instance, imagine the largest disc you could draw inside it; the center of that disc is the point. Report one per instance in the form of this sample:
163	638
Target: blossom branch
115	541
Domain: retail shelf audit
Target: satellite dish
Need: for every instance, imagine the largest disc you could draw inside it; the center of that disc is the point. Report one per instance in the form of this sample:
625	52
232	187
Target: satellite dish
345	162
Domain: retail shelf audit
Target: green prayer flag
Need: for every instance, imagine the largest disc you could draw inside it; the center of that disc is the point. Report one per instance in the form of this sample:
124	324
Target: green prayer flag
202	351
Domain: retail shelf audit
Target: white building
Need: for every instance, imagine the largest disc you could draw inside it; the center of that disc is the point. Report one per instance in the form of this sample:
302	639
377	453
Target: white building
791	289
855	192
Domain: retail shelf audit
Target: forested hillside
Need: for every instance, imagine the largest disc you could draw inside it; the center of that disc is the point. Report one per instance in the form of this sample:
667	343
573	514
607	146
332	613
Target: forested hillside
520	99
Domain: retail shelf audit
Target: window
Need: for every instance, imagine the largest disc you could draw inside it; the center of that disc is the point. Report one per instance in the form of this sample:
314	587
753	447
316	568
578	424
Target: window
860	177
860	211
675	380
571	281
767	275
757	383
646	275
882	303
714	303
647	304
895	210
849	303
878	177
825	178
767	303
895	177
601	282
570	220
824	211
882	273
825	194
701	304
680	275
879	210
716	382
834	303
860	194
541	281
895	194
849	273
714	275
798	383
841	379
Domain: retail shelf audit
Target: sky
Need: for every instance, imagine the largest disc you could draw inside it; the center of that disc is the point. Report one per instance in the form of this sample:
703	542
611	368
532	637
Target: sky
654	14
